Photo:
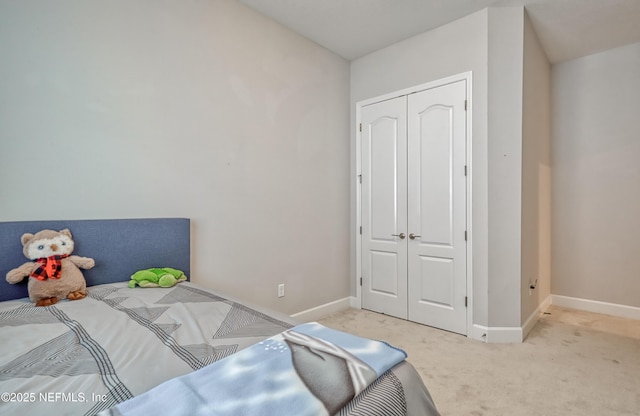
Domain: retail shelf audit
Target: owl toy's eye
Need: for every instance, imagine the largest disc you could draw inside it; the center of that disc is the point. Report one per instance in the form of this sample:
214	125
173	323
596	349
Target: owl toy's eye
40	247
64	244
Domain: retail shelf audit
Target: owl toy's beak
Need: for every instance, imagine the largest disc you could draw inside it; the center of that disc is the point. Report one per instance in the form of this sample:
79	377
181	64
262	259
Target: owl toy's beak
54	247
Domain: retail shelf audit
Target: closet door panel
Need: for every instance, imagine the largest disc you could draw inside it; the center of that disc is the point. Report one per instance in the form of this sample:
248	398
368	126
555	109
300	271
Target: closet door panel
437	207
384	207
384	177
434	148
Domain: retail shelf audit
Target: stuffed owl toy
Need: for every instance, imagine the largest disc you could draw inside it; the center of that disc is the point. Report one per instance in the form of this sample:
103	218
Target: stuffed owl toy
54	273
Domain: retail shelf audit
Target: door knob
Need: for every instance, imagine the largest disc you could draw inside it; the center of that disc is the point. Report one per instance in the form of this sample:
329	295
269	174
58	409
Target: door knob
413	236
401	235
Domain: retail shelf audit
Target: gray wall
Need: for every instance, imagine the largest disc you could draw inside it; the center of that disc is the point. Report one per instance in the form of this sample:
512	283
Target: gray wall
505	57
211	111
201	109
596	177
455	48
536	174
510	241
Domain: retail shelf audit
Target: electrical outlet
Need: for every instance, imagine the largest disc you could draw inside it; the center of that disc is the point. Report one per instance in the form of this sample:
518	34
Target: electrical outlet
281	290
532	286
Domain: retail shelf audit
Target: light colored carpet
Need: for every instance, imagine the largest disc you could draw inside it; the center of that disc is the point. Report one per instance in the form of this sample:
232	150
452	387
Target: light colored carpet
572	363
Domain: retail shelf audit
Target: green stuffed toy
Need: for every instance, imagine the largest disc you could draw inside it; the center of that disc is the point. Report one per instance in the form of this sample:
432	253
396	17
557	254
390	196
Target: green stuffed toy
157	277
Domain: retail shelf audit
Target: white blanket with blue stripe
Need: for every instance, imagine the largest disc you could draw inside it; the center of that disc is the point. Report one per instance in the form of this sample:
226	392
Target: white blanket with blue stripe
307	370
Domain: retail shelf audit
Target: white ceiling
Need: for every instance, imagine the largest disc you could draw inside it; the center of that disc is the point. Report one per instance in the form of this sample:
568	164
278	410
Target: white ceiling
567	29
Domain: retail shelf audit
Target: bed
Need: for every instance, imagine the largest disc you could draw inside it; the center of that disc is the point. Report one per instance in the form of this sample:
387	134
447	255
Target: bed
178	349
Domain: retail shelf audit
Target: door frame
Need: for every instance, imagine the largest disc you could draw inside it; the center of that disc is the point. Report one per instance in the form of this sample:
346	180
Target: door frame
466	76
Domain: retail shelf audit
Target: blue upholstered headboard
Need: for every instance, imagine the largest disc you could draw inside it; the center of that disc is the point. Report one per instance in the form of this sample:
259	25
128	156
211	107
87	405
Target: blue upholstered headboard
119	247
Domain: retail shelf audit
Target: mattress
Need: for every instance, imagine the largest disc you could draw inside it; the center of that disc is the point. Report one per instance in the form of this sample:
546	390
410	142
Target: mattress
84	357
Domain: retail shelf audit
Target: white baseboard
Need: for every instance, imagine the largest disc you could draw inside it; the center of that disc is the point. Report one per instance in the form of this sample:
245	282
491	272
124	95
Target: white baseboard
517	335
509	335
493	334
497	334
535	316
321	311
622	311
479	332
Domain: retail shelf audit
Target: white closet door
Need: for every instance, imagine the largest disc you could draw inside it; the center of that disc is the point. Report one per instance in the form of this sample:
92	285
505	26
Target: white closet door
384	207
437	207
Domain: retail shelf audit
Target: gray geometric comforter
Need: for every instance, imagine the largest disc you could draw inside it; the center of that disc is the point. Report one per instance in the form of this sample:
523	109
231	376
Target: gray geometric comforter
308	370
82	357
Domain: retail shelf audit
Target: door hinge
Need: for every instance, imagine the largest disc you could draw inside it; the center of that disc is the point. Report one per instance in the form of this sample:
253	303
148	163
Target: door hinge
465	107
465	301
360	178
361	230
465	235
465	170
361	281
361	125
